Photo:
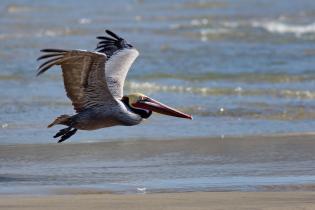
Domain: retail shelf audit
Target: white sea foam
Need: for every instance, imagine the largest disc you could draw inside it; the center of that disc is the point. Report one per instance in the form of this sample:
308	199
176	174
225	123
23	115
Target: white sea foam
84	20
153	87
198	22
282	28
4	125
273	26
278	26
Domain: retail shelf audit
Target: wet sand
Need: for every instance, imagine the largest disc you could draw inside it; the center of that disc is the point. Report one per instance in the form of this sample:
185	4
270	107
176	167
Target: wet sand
159	201
254	163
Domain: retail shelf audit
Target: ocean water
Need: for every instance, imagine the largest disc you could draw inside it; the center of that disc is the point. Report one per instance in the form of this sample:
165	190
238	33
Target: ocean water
241	68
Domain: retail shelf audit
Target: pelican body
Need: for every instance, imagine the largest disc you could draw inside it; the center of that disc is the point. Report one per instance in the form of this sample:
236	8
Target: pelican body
94	82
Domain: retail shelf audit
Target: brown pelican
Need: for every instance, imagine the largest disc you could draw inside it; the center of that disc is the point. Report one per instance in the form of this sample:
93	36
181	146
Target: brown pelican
94	83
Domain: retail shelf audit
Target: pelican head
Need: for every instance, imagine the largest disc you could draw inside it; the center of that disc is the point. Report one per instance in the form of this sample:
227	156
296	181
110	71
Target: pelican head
144	106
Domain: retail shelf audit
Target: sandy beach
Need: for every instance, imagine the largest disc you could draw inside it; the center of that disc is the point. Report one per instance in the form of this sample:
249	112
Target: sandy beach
159	201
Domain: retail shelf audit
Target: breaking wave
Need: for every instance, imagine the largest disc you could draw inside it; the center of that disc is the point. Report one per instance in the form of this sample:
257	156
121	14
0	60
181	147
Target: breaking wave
282	28
254	111
284	93
206	29
247	77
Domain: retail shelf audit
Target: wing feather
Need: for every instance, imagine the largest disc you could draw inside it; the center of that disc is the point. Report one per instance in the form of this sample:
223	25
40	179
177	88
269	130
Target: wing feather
117	68
83	75
120	55
48	56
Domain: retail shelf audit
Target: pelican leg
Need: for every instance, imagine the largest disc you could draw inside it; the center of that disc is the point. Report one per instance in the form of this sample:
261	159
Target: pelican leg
62	132
67	135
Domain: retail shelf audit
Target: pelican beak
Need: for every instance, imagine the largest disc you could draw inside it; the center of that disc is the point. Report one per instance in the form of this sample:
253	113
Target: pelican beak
155	106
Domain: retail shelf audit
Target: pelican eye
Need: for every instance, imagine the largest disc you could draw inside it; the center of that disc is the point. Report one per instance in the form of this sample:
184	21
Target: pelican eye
144	99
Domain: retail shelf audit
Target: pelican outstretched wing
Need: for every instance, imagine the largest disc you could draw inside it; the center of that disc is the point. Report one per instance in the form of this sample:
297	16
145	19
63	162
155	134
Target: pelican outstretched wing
83	76
120	55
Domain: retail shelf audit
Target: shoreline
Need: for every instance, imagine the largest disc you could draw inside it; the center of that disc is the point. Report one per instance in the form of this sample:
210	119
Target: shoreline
265	137
47	191
159	201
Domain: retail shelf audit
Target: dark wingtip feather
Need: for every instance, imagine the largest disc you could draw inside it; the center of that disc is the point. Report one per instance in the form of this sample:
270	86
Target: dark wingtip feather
38	73
106	38
55	54
43	69
113	34
106	42
53	50
48	63
49	55
110	43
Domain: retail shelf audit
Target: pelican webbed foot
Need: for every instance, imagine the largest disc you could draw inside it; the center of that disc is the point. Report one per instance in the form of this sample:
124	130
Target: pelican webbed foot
65	133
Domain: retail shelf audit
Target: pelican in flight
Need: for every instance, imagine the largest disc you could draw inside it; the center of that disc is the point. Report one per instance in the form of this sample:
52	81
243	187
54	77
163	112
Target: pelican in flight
94	82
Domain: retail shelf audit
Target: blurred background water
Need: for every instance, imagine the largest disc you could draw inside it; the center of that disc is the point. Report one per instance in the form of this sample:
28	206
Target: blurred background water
240	67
